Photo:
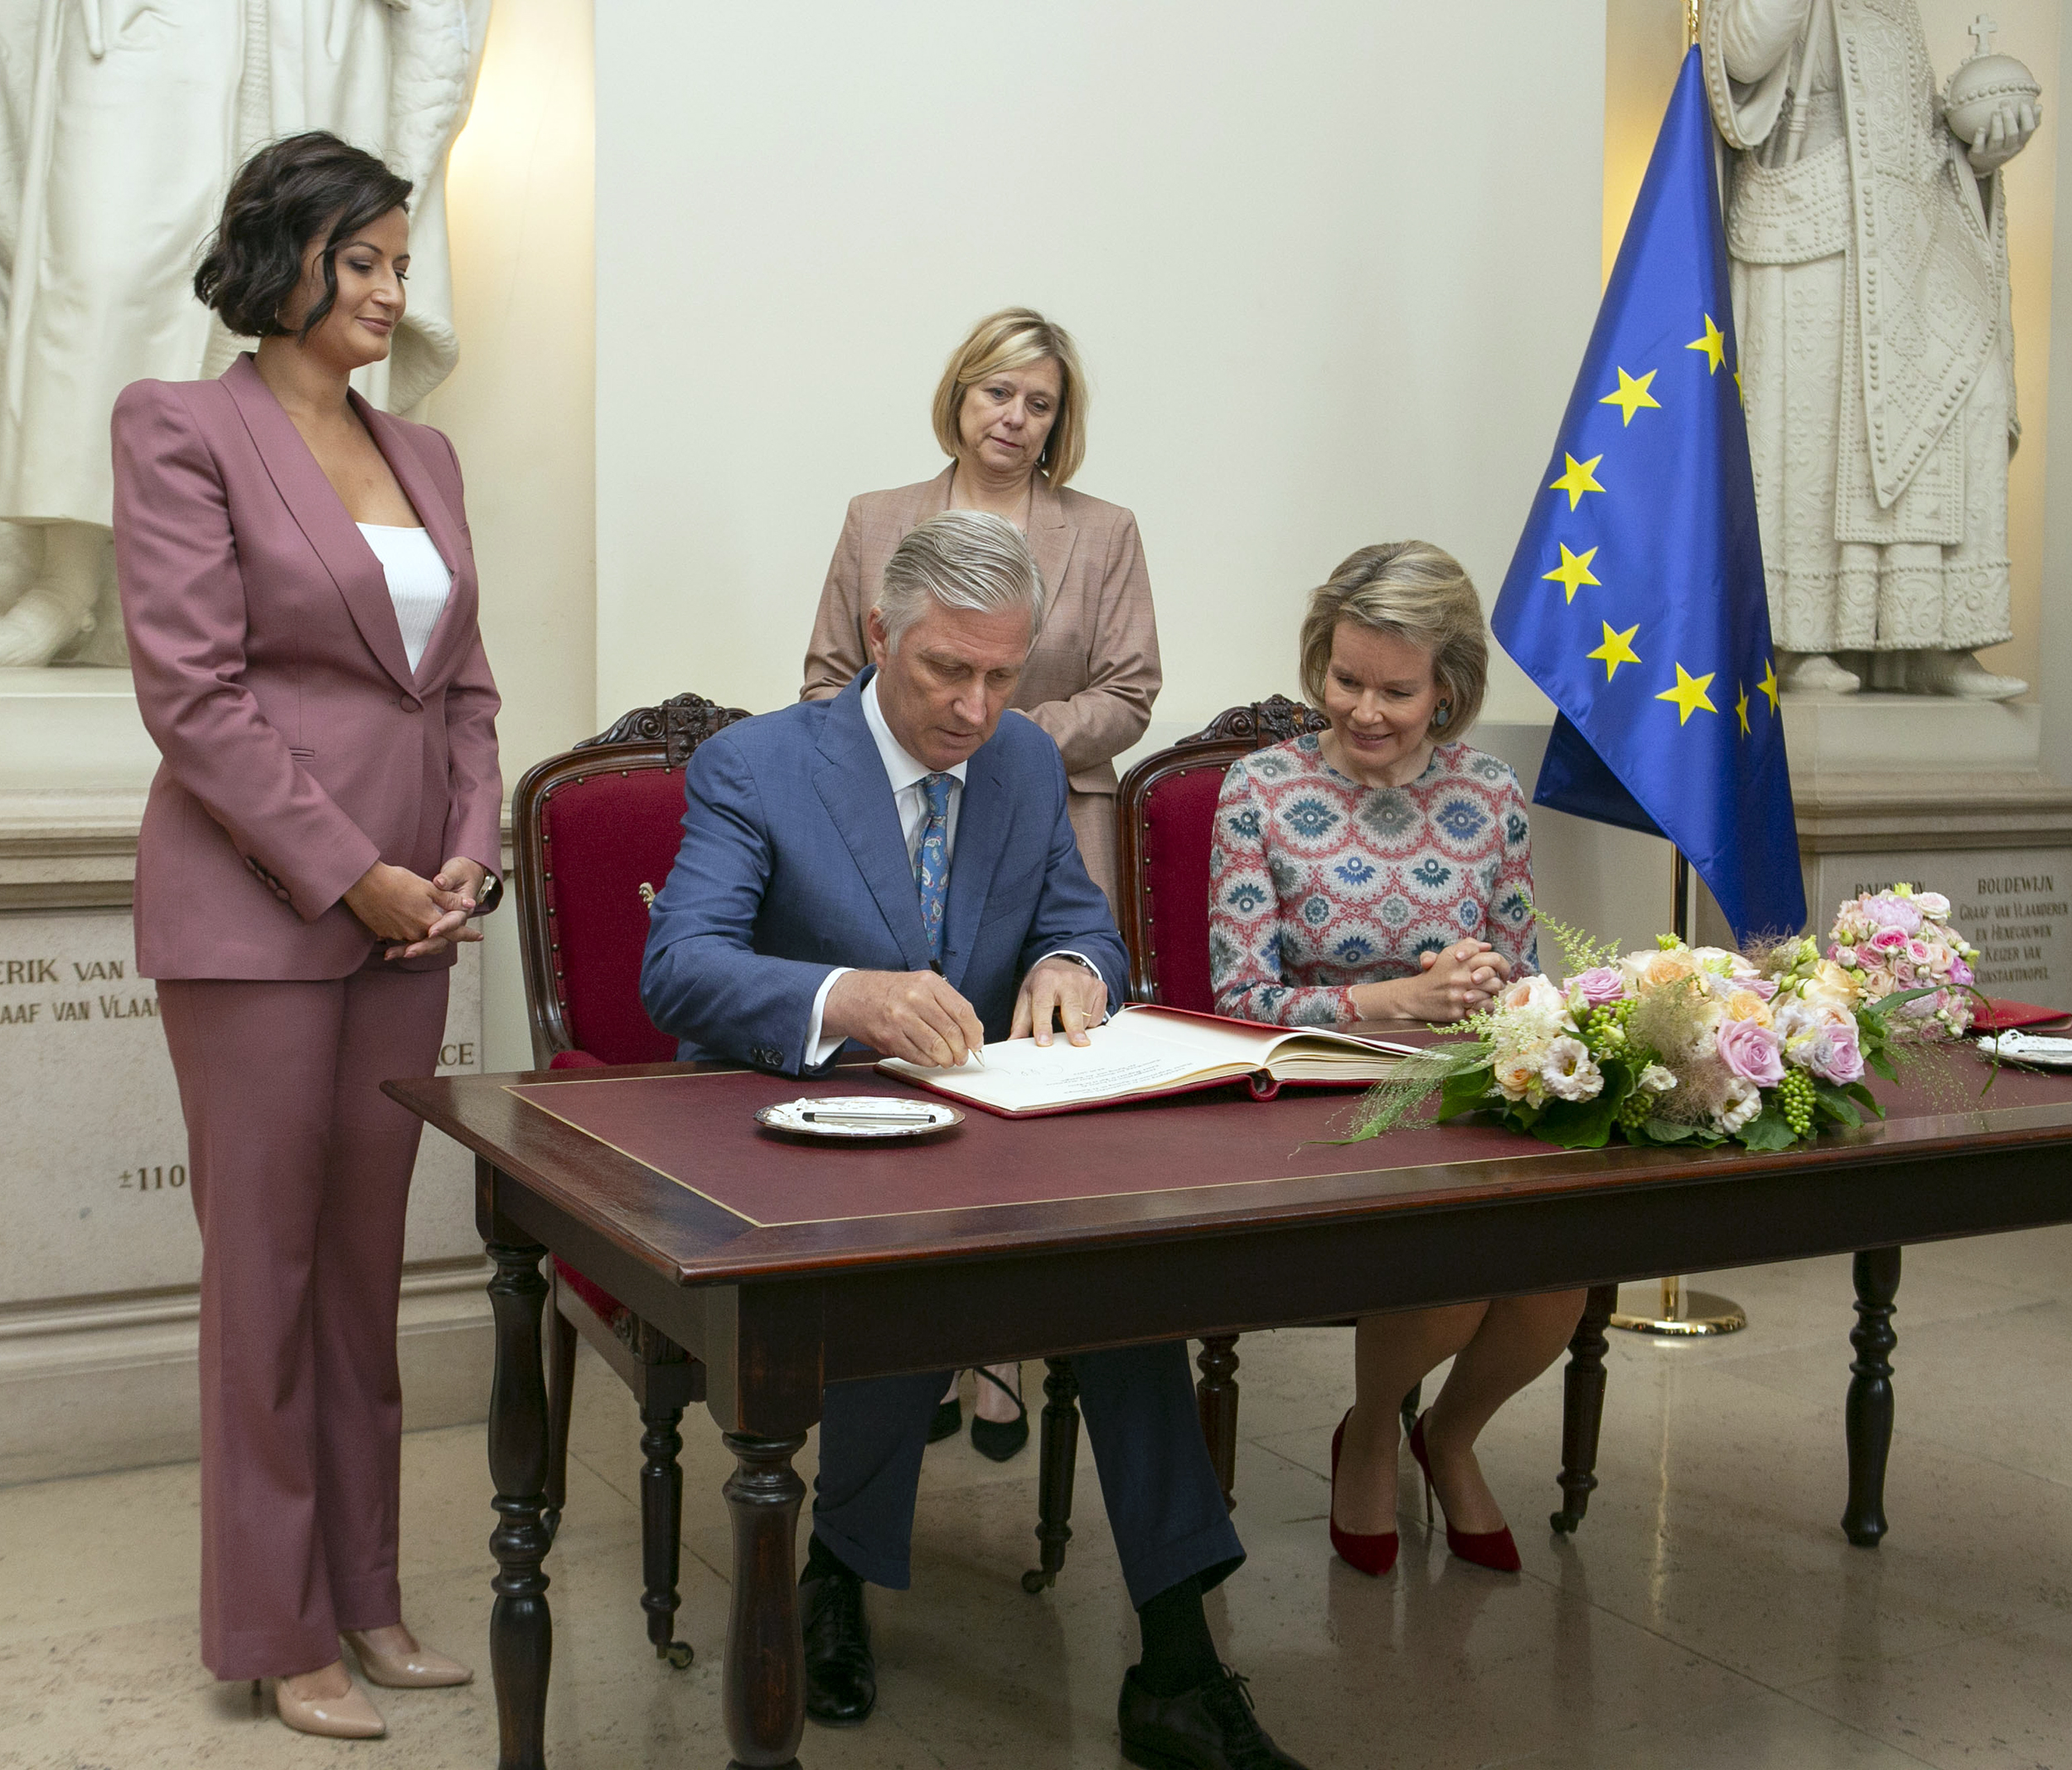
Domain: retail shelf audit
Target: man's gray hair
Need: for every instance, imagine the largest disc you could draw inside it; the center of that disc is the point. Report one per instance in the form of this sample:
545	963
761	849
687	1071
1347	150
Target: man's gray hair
966	559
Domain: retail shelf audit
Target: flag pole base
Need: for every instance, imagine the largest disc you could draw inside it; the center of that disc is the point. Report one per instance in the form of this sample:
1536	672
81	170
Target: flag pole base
1672	1312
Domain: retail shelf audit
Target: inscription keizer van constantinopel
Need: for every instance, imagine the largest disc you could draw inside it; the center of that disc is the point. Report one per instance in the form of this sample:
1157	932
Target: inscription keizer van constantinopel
93	1190
2014	907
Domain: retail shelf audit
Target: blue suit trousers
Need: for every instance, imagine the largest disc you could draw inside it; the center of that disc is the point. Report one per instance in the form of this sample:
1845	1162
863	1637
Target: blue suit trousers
1164	1505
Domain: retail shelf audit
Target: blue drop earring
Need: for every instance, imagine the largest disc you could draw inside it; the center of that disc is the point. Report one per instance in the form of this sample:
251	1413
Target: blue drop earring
1438	719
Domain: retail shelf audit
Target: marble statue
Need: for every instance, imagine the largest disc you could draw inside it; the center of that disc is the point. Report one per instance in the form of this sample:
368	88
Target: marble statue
1870	268
121	122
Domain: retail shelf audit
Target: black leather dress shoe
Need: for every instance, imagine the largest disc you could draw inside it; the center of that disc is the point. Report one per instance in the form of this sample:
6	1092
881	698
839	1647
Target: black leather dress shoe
841	1677
1211	1727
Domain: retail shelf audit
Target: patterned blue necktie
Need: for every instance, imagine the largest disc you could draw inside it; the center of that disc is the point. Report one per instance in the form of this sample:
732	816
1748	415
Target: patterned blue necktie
932	859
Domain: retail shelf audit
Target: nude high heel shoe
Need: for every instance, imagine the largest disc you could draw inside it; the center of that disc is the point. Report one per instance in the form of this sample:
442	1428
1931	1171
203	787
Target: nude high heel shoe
351	1716
423	1670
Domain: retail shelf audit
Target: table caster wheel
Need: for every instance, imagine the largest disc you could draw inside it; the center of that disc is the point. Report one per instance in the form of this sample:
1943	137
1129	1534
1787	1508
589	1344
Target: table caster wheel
679	1653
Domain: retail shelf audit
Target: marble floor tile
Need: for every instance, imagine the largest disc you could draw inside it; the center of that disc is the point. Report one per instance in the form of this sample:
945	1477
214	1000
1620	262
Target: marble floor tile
1997	1703
1708	1615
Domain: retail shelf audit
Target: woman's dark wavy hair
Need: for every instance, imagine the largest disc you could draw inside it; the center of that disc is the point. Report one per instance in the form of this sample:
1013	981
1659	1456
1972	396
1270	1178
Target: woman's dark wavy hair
285	195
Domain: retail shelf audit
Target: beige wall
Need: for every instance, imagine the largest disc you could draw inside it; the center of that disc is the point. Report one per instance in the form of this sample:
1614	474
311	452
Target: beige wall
521	409
1321	305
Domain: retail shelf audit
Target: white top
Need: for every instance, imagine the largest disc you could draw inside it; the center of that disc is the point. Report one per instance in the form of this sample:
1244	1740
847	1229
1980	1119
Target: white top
419	582
906	776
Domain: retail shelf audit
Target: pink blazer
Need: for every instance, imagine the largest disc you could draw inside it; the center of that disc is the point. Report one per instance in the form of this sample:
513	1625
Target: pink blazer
300	747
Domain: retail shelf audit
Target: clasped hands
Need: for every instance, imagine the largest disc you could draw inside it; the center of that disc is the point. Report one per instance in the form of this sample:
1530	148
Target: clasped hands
916	1015
414	917
1452	984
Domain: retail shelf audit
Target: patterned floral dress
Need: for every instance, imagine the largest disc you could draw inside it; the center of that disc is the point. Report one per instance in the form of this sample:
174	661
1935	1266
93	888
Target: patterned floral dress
1318	883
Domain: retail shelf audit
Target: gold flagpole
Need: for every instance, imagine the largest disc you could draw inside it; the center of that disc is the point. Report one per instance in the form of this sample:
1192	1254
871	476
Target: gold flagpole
1681	1314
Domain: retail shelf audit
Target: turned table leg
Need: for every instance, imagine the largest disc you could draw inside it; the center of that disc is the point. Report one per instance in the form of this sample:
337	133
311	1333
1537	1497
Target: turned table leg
1583	1407
1216	1401
765	1678
1869	1410
521	1631
661	1521
1061	1458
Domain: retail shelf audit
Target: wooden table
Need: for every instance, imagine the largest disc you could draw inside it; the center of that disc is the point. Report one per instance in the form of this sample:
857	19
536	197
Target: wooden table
784	1267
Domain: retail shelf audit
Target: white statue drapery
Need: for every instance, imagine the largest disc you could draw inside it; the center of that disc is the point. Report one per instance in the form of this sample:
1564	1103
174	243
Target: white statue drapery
121	124
1870	299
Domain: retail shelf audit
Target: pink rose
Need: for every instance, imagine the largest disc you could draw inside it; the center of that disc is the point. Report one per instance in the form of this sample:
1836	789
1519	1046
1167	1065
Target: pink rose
1845	956
1750	1050
1764	987
1888	941
1917	950
1599	985
1835	1056
1960	973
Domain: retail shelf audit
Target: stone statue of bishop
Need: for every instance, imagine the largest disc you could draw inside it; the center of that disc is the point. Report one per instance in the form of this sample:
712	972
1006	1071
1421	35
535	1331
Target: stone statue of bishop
1870	271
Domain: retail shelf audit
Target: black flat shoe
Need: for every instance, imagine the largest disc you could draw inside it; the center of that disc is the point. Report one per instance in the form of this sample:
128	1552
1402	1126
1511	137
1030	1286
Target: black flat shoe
841	1676
948	1421
998	1439
1211	1727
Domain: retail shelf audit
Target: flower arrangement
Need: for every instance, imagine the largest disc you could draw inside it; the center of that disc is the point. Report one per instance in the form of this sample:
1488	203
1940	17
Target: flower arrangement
1901	940
1700	1044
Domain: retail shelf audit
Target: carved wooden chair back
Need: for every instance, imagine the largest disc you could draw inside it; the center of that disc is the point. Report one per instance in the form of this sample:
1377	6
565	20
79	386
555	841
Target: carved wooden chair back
1166	810
594	832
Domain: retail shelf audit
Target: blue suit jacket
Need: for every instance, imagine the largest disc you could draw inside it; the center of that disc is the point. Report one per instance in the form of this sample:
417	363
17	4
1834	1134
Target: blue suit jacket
792	862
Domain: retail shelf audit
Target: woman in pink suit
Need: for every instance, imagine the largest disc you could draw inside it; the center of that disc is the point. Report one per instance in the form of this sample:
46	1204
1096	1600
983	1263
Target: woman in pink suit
300	597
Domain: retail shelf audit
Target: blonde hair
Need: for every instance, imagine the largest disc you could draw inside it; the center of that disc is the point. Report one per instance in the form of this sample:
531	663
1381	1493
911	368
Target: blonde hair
1013	338
967	559
1419	593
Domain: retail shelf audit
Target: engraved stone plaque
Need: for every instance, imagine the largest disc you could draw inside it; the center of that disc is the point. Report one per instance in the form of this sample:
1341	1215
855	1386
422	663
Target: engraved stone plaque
94	1187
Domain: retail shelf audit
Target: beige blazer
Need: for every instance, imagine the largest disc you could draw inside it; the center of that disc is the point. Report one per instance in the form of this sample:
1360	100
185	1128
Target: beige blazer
1090	680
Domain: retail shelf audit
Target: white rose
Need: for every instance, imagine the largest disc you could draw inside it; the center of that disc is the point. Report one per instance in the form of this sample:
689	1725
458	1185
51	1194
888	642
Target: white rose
1742	1102
1931	904
1569	1073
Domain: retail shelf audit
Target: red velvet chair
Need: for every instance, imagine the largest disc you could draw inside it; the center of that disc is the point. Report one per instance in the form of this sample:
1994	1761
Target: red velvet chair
594	832
1166	807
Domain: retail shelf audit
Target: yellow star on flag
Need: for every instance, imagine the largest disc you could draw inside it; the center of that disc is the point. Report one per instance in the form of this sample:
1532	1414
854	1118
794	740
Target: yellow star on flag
1578	477
1769	683
1740	707
1713	344
1688	694
1631	396
1616	649
1574	572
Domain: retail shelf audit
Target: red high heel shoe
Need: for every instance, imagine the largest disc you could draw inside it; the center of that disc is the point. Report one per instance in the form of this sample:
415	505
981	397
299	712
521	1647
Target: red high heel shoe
1371	1555
1492	1549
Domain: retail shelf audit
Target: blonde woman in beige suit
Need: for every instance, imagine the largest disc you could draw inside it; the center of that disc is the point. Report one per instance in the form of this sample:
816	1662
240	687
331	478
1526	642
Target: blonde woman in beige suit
1010	412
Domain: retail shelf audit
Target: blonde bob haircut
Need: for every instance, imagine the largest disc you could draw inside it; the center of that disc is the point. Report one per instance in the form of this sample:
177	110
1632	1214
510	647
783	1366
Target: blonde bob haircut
1013	338
1419	593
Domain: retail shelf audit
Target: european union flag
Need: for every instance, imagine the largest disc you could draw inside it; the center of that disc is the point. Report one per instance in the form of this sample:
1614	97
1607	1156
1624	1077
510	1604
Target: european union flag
1636	598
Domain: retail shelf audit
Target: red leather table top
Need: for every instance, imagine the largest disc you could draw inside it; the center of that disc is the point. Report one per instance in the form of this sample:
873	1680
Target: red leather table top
698	1129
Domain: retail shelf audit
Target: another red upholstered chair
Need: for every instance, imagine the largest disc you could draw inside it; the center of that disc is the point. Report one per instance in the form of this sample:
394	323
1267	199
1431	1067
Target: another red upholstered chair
594	832
1166	807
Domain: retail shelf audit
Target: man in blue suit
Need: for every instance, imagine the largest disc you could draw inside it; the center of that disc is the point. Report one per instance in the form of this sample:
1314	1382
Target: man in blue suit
896	867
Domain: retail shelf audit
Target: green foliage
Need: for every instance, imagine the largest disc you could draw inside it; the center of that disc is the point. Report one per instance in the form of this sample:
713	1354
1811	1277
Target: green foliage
1768	1129
1578	951
1412	1082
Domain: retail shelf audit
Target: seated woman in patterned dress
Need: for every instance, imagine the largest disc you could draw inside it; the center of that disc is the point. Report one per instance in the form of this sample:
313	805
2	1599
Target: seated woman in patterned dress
1375	871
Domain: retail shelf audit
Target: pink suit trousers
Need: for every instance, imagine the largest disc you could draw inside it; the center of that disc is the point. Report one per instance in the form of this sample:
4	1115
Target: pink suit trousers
300	1169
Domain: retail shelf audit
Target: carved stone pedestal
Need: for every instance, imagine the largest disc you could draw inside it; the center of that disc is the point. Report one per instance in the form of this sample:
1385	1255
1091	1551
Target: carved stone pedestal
1948	796
100	1255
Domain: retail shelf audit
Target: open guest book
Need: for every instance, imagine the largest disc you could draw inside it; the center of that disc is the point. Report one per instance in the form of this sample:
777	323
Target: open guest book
1143	1052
